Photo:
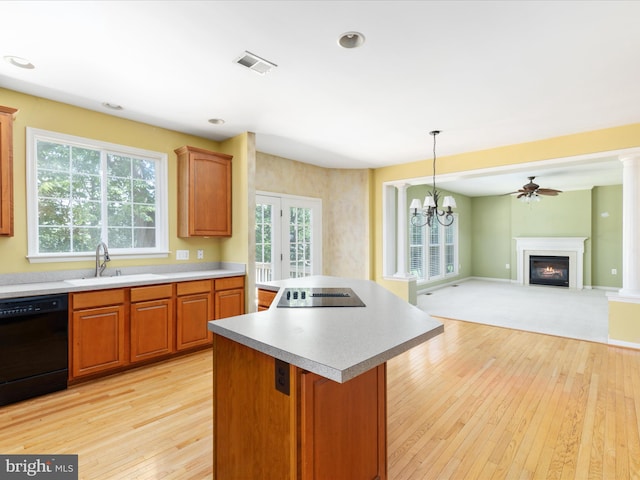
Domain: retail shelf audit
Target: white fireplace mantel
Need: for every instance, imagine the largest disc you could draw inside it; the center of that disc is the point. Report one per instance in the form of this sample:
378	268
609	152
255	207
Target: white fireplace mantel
572	247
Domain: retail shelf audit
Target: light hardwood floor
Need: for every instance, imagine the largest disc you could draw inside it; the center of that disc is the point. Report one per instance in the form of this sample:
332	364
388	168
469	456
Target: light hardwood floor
476	402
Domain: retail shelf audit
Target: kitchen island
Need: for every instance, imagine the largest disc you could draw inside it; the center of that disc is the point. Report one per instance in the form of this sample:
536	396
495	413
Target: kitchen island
300	393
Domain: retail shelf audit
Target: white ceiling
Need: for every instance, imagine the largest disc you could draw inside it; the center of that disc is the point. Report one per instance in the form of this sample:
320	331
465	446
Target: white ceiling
486	73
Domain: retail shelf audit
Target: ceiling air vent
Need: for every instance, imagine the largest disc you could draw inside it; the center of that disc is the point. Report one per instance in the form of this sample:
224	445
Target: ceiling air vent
255	63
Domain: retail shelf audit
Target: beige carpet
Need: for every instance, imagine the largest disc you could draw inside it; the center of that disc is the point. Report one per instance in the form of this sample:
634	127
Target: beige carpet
580	314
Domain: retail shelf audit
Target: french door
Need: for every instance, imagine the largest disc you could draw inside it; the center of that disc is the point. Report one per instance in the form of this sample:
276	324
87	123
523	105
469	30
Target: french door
288	237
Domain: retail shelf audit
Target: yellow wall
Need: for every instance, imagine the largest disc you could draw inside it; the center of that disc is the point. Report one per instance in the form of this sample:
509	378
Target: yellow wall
624	321
236	248
58	117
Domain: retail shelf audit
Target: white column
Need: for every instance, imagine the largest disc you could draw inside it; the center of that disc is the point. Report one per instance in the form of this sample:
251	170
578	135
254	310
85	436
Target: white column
402	243
630	226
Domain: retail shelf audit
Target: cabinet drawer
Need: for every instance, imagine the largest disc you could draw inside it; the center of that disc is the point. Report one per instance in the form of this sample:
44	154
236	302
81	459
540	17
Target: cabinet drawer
152	292
98	298
197	286
265	297
229	283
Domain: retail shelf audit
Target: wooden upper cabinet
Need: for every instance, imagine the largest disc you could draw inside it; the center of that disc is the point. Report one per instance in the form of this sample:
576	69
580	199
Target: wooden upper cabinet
204	193
6	170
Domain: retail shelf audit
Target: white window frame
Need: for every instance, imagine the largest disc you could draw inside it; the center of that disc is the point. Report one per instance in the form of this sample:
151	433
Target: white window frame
442	257
280	230
161	250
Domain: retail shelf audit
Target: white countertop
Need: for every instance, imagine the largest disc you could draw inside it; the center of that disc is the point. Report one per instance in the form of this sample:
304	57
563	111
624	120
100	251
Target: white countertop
338	343
16	290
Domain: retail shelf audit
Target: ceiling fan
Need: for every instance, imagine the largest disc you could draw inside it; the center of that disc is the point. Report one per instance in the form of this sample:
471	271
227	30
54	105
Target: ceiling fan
531	189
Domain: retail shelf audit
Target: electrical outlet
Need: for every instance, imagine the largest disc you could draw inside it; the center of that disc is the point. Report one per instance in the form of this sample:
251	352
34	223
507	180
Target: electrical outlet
614	271
182	254
200	254
507	266
282	379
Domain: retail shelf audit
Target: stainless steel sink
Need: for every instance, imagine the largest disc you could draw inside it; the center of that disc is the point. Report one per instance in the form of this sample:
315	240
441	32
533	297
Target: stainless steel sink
90	281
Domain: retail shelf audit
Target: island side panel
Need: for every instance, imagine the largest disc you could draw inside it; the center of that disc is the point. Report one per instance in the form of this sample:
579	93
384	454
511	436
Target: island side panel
254	425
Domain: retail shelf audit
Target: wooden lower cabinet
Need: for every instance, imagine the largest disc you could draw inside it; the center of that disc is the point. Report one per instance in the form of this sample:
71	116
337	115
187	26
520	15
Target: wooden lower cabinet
265	298
152	322
229	297
320	430
98	332
194	308
112	329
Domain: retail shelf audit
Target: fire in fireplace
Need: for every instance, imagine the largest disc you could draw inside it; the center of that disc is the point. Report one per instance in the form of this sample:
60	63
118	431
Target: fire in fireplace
549	270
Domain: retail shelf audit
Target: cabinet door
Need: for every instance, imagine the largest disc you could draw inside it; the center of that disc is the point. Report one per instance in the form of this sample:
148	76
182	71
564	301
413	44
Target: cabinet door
229	303
98	340
151	329
265	298
193	313
6	170
204	196
343	426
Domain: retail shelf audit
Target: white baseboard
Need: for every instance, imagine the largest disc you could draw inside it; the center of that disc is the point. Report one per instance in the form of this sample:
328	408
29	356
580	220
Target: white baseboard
619	343
426	288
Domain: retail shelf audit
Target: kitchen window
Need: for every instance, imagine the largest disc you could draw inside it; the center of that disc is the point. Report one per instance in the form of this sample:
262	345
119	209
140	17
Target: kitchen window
82	191
433	251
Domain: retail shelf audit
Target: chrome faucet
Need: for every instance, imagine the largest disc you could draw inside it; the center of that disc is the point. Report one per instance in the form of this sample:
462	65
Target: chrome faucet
100	267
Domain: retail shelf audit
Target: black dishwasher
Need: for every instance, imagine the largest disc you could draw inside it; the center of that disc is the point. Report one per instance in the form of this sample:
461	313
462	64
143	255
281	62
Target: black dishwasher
33	346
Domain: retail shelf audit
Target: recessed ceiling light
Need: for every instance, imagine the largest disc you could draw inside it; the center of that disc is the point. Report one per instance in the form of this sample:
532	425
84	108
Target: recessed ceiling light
19	62
112	106
351	40
216	121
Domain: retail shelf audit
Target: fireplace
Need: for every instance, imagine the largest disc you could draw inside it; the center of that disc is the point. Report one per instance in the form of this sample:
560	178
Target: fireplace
549	270
572	247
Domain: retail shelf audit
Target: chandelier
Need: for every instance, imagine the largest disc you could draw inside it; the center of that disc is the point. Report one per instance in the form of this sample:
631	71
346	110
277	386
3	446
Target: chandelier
429	210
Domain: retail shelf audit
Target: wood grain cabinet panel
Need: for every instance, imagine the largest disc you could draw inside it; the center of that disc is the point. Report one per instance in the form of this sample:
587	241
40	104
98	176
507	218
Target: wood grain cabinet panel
152	322
194	308
229	297
6	170
98	340
204	193
343	426
113	329
265	298
254	424
320	430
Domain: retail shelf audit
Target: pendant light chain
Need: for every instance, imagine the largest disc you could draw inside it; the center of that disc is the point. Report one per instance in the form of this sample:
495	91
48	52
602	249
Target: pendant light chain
431	210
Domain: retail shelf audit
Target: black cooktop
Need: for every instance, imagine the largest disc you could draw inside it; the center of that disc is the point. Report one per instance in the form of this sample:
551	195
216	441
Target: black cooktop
319	297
